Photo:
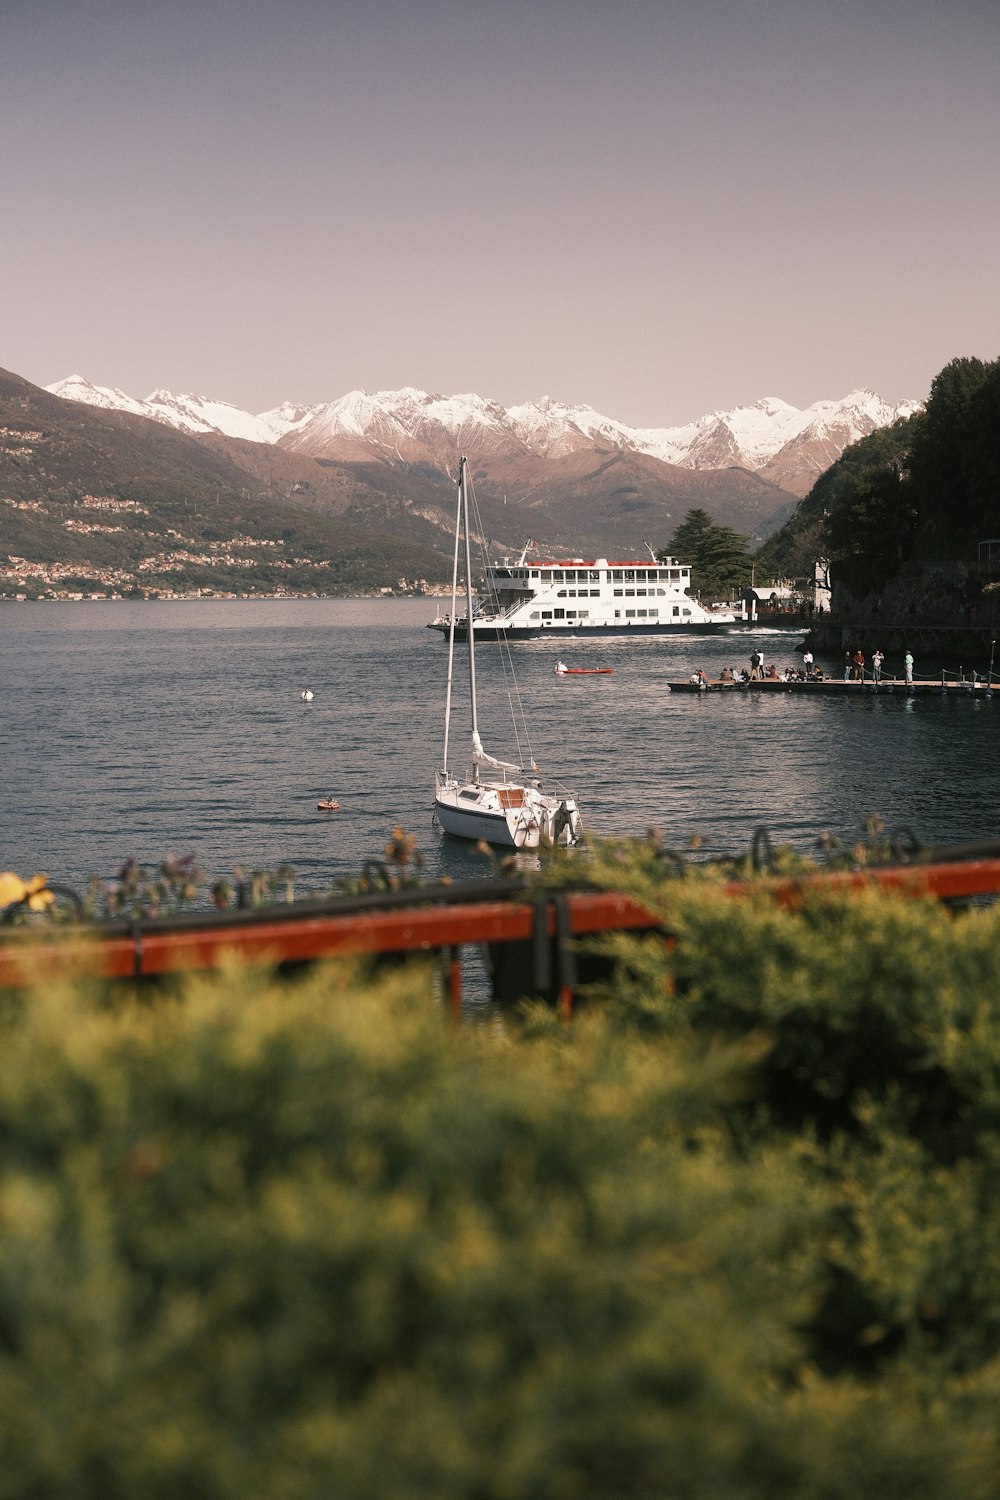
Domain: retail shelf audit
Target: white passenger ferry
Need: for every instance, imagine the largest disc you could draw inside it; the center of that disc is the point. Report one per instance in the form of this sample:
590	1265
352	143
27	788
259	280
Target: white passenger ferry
580	598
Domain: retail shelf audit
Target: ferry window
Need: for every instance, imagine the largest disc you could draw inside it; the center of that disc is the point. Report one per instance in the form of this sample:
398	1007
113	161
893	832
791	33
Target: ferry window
687	611
654	611
547	614
571	614
630	575
560	614
533	573
618	593
534	615
595	575
595	593
660	593
630	614
676	610
558	576
617	575
641	612
561	594
618	614
630	593
583	614
641	593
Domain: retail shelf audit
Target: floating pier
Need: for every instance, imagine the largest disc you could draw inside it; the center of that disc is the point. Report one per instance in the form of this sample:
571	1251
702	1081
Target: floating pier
837	687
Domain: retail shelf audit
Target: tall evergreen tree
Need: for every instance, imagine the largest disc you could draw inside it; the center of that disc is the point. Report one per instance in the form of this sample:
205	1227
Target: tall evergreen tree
717	555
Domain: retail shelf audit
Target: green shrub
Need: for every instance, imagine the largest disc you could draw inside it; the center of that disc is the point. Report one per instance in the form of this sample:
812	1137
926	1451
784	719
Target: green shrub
879	1016
283	1240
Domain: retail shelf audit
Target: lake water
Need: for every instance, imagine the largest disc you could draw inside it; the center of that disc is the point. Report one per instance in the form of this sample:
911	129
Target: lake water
147	729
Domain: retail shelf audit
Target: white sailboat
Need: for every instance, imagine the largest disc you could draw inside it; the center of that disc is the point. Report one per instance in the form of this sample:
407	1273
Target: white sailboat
507	807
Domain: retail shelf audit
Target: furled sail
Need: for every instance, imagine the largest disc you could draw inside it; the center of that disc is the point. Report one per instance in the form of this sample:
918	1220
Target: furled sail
481	758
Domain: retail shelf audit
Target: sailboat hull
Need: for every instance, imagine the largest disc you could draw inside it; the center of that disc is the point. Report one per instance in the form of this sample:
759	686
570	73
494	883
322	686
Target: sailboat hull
482	827
506	815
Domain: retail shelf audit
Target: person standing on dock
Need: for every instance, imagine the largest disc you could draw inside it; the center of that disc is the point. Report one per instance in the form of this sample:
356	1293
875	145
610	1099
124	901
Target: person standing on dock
858	659
877	659
908	667
848	666
756	662
807	663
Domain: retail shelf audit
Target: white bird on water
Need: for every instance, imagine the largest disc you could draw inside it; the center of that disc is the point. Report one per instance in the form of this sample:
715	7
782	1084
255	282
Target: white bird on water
307	694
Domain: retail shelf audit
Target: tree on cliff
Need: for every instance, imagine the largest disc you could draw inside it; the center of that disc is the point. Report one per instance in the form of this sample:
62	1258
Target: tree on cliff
954	463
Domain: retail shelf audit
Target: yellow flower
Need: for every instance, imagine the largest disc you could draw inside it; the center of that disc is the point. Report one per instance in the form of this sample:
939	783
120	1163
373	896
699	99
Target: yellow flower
34	891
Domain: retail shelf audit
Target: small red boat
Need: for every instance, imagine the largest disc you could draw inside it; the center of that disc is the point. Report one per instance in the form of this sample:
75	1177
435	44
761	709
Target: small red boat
328	804
562	671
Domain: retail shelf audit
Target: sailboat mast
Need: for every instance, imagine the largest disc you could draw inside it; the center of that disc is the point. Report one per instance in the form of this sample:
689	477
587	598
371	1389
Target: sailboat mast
451	630
463	487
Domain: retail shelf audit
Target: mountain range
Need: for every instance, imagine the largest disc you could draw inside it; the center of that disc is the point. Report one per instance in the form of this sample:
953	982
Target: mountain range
347	496
409	429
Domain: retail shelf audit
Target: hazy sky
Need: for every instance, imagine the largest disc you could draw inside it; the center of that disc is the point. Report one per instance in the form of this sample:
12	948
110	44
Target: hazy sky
658	209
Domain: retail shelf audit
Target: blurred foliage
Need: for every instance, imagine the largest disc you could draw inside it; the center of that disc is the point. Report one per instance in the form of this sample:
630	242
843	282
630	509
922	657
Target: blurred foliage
731	1235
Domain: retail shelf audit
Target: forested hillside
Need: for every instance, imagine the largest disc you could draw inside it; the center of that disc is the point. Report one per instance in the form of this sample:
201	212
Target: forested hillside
102	501
925	489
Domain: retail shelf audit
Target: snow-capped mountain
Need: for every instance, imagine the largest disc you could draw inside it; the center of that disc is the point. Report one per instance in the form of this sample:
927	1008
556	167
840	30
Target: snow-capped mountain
786	446
189	413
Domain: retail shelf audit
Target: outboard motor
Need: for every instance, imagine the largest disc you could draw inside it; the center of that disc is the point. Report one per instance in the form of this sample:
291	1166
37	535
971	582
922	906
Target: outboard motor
567	822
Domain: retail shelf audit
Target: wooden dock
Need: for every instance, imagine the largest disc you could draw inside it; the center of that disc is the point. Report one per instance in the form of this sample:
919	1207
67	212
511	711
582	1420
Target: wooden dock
837	687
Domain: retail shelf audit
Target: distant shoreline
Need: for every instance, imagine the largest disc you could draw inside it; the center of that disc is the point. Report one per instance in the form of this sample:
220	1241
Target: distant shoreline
210	598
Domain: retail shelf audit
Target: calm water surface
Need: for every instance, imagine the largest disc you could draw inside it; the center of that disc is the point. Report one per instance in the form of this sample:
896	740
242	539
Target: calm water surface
142	729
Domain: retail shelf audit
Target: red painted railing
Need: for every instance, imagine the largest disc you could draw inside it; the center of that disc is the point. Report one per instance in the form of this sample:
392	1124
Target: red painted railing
440	920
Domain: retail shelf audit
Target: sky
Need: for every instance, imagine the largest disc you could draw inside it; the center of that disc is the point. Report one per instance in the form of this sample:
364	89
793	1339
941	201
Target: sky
655	209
